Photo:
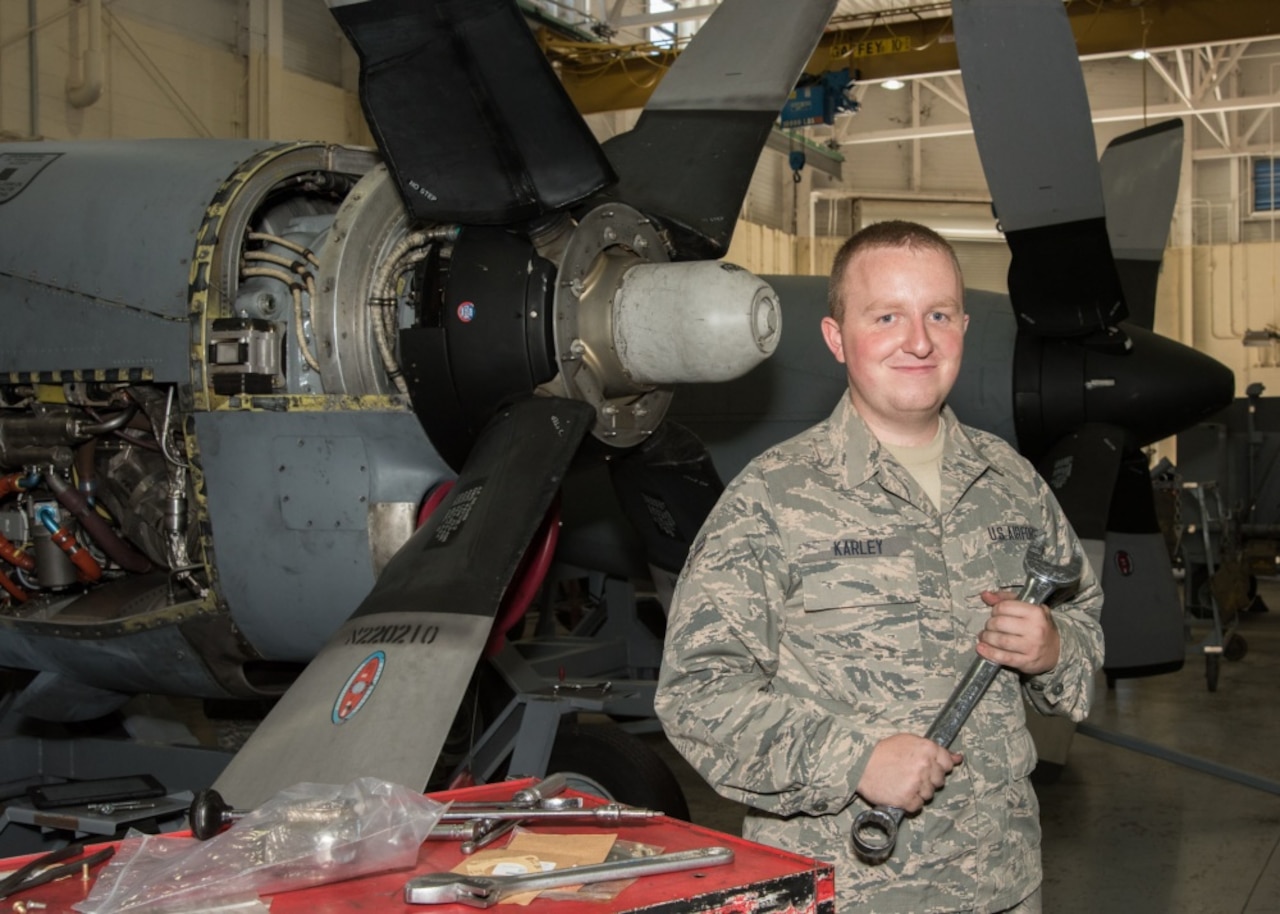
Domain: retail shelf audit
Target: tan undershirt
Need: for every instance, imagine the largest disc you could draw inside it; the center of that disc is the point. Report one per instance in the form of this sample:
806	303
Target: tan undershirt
924	463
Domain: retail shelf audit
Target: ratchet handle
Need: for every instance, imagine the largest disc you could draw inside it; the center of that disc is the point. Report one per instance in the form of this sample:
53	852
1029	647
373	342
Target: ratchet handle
875	831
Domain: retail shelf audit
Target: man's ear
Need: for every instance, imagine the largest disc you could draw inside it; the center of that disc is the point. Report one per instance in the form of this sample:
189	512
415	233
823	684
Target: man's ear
834	339
965	327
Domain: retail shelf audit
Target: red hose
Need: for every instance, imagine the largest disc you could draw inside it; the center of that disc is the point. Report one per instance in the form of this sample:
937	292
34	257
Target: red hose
98	529
10	554
85	563
14	590
530	573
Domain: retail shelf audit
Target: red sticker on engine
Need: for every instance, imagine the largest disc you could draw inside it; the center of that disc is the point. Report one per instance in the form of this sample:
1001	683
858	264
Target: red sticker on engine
359	687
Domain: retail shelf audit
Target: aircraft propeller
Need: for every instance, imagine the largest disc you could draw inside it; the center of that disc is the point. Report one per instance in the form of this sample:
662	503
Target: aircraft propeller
575	289
1093	384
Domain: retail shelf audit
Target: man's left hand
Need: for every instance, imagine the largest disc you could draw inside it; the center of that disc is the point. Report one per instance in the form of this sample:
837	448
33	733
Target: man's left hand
1021	636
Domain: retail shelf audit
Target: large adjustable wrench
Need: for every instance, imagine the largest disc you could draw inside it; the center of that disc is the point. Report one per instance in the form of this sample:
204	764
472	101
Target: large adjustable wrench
876	830
486	891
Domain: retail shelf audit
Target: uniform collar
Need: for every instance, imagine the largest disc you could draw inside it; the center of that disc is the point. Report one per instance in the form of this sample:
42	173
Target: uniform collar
857	456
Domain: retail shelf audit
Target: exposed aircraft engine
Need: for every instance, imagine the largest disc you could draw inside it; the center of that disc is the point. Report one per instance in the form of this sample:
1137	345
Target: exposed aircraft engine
249	345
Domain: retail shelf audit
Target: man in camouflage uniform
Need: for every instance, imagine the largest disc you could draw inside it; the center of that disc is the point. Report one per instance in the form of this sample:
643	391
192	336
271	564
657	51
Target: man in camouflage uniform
835	596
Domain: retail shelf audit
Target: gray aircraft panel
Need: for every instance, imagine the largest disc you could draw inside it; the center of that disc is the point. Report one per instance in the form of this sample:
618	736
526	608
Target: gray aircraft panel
286	487
147	660
85	221
49	328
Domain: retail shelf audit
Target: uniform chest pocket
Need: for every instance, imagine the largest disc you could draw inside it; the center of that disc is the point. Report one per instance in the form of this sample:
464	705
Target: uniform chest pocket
1008	561
867	608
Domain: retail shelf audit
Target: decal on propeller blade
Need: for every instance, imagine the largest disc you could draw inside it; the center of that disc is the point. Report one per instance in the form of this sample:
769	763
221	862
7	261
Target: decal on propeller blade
357	689
457	513
1124	563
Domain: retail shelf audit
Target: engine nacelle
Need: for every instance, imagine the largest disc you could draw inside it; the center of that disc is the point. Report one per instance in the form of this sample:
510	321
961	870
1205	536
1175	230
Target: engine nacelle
231	371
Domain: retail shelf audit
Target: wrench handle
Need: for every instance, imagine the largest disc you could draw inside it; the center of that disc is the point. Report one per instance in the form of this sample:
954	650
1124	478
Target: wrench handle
875	830
550	786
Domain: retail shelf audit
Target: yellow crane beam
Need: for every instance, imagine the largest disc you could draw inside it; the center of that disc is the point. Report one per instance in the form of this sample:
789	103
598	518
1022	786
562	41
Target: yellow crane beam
603	77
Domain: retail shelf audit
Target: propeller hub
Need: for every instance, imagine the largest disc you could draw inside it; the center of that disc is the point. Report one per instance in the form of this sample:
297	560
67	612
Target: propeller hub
629	324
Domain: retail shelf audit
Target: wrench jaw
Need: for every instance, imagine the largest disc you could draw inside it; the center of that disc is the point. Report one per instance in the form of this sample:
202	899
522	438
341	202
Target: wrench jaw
1044	577
451	888
875	831
478	892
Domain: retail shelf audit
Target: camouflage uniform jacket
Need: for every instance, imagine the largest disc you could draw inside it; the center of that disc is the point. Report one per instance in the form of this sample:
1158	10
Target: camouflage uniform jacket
827	604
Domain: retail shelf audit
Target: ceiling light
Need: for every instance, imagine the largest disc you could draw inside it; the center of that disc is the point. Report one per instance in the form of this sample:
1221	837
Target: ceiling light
893	84
1140	55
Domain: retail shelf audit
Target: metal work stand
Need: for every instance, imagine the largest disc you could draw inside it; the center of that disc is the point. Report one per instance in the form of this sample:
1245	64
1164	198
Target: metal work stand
1201	545
607	663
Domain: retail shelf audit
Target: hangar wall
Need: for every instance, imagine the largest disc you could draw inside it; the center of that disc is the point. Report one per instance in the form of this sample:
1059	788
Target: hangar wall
279	69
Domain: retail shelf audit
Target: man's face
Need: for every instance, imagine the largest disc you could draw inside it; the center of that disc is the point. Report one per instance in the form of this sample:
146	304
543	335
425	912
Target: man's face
901	338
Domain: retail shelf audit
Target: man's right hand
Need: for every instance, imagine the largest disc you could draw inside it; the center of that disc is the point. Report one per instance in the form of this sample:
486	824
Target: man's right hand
905	771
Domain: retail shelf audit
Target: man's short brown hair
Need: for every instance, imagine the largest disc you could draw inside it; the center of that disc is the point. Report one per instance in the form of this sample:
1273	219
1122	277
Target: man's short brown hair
895	233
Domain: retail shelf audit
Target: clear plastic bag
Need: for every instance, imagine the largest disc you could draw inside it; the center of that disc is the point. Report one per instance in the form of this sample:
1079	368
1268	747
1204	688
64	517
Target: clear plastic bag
305	835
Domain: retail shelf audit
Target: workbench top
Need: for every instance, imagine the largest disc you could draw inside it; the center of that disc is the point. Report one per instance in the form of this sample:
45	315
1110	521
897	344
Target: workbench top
760	879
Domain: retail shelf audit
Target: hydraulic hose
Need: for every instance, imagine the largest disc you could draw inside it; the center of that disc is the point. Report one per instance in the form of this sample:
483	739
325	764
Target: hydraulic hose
15	482
65	540
107	539
14	557
118	421
14	590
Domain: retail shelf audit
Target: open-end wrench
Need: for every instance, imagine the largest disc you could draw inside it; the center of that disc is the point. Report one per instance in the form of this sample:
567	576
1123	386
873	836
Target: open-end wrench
876	830
486	891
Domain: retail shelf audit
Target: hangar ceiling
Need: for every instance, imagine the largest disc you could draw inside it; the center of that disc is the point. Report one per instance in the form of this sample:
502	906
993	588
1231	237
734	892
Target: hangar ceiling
1194	47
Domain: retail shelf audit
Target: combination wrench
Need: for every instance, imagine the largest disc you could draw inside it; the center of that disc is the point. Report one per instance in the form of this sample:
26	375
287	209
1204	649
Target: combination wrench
876	830
486	891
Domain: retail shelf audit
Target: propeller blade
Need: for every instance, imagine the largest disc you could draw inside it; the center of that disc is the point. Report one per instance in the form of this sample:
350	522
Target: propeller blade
1140	175
1081	468
1034	132
667	487
380	696
469	116
690	157
1142	618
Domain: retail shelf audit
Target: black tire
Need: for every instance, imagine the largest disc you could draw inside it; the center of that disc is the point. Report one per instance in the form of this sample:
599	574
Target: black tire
1235	648
605	760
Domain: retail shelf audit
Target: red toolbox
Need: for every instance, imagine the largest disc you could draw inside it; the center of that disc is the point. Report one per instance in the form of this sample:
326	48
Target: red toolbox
760	879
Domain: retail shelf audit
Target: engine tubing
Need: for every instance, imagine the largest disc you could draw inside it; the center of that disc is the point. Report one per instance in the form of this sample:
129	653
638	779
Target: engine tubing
14	590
